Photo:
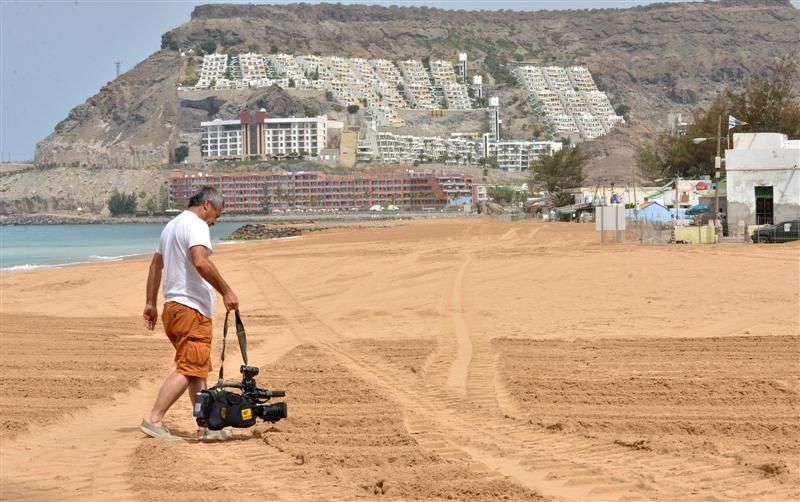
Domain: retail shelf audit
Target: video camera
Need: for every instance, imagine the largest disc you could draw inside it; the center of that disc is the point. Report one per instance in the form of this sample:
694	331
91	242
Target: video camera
216	408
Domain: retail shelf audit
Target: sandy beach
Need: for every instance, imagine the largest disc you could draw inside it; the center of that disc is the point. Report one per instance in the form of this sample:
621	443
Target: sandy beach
464	359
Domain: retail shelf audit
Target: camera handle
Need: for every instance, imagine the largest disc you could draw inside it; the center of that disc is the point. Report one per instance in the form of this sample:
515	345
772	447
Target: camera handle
240	334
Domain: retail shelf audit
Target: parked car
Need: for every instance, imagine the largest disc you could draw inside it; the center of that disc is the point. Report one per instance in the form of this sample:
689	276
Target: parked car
784	231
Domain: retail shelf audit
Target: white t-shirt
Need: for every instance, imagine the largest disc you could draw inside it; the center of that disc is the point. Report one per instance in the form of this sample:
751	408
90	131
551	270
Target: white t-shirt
182	282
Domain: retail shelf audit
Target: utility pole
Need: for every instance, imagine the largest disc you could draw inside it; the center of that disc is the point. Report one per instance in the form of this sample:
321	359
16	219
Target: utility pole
717	166
635	201
676	203
117	62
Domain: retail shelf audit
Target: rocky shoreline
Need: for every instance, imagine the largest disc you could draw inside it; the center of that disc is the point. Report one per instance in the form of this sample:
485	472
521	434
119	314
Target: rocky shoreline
258	231
56	219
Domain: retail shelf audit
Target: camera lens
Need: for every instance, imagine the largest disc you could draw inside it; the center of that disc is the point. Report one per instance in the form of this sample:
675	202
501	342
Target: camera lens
273	412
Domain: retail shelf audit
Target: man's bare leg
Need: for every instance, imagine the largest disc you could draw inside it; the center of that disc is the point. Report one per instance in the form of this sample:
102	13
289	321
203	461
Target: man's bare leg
172	388
196	384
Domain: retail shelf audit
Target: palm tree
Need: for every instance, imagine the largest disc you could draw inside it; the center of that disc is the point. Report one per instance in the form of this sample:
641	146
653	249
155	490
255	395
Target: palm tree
279	193
268	198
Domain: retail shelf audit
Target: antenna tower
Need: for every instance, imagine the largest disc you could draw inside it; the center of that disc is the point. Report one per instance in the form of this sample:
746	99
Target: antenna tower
117	62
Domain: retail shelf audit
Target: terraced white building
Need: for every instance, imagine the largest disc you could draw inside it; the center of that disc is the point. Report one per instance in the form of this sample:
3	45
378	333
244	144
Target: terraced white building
367	82
285	66
213	69
250	67
393	148
569	98
458	149
454	92
417	85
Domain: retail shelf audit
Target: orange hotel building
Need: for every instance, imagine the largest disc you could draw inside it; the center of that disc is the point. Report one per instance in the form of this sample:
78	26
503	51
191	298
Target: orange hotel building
315	190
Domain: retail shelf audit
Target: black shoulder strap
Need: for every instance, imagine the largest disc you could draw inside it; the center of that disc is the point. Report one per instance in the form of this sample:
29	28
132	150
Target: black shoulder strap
240	334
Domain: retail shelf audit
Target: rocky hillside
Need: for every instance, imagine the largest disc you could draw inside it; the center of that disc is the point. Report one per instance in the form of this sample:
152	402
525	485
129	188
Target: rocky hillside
656	59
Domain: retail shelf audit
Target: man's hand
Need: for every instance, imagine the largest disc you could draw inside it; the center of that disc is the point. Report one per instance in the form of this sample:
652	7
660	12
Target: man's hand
150	313
209	272
230	300
150	316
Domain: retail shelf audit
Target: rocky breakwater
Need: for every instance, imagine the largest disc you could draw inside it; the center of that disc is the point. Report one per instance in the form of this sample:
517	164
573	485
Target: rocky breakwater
62	219
258	231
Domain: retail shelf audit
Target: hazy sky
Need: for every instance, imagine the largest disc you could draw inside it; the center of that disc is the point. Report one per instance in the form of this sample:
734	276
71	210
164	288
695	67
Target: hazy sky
56	54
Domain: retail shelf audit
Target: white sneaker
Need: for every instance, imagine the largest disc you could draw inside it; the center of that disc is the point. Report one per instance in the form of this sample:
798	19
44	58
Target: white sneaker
220	435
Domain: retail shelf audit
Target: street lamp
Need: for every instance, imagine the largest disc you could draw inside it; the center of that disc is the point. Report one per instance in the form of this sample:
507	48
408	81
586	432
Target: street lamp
717	167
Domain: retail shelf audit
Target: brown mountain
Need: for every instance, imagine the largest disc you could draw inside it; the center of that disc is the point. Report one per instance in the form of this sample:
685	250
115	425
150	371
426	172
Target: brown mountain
656	59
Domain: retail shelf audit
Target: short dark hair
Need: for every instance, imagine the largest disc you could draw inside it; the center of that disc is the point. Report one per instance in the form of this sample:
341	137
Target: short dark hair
209	194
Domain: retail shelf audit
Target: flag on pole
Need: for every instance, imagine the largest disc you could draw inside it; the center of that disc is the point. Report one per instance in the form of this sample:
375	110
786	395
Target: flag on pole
733	122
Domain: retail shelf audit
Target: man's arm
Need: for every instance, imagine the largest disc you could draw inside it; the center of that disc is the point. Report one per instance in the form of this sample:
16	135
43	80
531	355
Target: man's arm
150	313
209	272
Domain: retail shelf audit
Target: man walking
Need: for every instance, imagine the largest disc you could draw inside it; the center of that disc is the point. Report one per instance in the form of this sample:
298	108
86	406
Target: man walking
190	279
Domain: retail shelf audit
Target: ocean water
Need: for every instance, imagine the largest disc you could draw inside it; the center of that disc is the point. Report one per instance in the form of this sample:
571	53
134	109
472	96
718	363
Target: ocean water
32	246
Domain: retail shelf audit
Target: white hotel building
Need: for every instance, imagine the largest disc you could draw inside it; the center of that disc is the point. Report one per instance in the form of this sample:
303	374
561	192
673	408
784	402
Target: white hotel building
222	139
518	155
265	137
283	136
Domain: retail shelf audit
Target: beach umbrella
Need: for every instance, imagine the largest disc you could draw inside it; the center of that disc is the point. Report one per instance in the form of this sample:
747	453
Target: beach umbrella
697	209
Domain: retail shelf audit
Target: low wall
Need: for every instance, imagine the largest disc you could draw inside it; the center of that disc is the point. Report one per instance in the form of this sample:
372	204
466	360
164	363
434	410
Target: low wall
701	234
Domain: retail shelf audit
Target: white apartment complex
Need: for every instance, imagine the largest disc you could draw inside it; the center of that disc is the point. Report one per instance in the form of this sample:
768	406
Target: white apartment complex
284	136
518	155
417	85
408	149
249	67
377	83
569	98
265	137
454	92
459	149
222	139
212	71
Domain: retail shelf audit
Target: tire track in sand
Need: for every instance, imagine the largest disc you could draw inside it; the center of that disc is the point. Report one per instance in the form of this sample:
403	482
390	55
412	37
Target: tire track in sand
557	464
457	377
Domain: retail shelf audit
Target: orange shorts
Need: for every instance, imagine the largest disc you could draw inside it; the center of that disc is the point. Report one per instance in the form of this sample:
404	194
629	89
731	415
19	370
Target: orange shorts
190	334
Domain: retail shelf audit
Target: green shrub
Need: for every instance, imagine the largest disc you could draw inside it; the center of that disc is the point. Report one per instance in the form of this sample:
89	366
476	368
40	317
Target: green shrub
181	153
623	111
121	203
209	47
191	81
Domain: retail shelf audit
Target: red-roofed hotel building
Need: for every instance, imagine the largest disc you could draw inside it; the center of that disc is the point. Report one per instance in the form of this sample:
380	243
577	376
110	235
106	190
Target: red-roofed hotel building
315	190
